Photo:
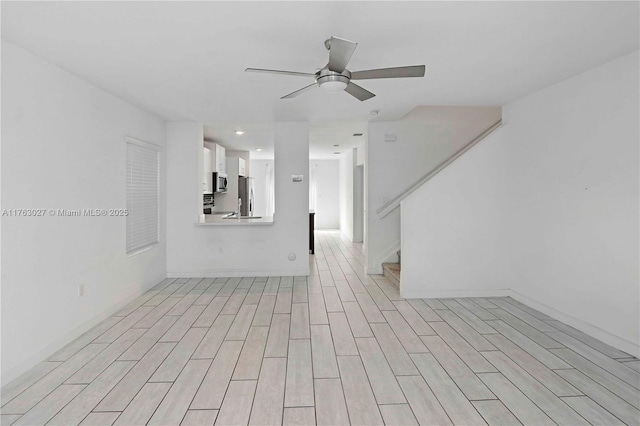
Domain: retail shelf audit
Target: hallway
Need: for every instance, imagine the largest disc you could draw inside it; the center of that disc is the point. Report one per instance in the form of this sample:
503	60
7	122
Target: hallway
337	347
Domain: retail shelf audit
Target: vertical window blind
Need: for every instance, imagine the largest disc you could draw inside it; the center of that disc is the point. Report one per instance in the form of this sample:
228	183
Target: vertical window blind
143	196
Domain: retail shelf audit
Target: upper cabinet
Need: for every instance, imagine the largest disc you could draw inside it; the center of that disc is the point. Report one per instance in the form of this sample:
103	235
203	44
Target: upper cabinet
220	164
242	167
207	176
215	161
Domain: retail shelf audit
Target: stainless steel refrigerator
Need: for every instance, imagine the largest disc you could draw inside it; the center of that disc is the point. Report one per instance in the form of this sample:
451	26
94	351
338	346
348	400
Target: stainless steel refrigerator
245	193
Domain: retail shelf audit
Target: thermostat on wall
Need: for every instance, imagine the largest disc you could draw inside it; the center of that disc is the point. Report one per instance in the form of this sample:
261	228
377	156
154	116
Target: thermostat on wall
297	178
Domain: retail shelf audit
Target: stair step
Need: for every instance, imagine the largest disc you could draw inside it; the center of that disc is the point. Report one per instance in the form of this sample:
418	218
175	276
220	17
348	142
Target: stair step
391	271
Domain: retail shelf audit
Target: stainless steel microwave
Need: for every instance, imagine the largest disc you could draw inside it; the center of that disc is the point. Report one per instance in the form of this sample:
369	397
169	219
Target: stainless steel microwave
219	182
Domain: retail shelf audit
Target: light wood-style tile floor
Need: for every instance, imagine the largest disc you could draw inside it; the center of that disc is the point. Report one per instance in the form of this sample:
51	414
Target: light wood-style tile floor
337	347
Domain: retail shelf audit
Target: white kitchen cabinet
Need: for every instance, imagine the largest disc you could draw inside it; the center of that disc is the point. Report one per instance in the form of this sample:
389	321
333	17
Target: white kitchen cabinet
242	167
220	164
207	175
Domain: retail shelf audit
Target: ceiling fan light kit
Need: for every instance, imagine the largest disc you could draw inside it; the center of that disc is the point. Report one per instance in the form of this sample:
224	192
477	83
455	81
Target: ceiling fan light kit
332	81
335	76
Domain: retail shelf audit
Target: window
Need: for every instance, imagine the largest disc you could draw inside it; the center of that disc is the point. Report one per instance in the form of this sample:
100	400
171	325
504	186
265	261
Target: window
143	195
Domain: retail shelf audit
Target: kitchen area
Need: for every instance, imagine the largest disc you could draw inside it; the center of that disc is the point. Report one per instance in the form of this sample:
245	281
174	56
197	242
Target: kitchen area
237	179
230	193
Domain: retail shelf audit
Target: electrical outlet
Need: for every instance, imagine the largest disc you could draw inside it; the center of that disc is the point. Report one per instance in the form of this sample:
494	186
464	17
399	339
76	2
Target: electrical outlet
220	250
81	290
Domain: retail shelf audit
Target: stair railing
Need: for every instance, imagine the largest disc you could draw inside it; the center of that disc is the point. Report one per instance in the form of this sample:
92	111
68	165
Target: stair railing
395	203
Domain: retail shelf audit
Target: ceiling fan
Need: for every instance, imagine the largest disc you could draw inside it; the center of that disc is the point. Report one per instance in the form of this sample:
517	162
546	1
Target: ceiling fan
335	76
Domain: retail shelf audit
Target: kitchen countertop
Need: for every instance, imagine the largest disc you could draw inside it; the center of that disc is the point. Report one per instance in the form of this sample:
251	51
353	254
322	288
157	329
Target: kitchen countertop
217	220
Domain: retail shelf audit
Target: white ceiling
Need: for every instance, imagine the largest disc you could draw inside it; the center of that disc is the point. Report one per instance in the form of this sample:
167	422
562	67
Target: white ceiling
326	141
186	60
256	136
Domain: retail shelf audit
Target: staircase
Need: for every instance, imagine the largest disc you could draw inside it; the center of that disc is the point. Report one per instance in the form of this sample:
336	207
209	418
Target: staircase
391	271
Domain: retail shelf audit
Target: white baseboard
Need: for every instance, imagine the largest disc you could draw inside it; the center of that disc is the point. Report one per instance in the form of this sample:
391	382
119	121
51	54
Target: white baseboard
453	293
375	268
605	336
27	364
233	273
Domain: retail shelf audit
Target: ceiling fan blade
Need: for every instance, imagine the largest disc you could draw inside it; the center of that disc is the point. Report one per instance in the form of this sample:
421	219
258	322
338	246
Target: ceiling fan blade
397	72
358	92
299	74
299	91
340	53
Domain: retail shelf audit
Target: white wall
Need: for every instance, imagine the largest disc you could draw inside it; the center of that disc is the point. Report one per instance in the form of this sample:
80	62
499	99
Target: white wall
195	250
424	138
346	194
547	207
327	210
348	190
360	155
574	193
245	155
259	174
358	204
454	240
63	147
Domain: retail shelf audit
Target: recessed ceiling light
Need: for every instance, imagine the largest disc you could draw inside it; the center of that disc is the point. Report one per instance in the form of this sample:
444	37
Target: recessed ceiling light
335	146
337	152
357	134
258	149
374	112
239	132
